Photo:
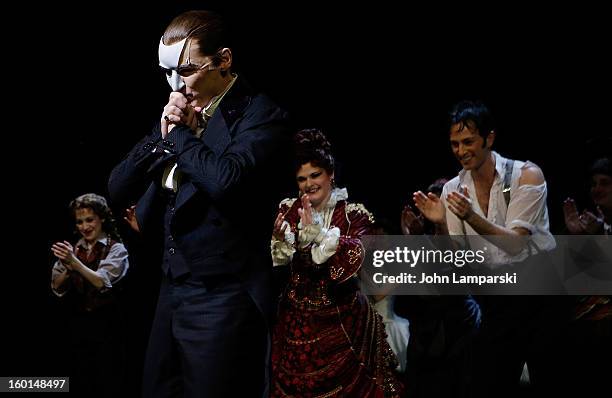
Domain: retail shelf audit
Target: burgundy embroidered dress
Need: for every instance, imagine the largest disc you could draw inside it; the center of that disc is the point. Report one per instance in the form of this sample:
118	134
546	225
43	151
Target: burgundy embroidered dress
329	341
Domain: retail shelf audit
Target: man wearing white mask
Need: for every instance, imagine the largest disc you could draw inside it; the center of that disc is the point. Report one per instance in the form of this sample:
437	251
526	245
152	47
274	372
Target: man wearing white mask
207	173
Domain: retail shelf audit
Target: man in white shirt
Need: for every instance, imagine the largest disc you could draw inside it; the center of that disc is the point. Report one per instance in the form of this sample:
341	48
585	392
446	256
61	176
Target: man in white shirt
495	197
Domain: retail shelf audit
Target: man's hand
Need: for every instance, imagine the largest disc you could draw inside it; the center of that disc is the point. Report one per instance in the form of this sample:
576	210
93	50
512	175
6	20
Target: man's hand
130	218
460	203
585	223
430	206
178	111
411	223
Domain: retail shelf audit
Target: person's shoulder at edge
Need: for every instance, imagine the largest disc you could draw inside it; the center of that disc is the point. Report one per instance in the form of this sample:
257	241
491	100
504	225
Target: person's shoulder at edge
531	174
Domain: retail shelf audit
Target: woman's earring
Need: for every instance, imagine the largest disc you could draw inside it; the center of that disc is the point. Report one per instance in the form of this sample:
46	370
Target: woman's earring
333	182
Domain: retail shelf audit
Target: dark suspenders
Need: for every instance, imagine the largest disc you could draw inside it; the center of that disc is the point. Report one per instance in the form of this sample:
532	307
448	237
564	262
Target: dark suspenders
506	191
508	180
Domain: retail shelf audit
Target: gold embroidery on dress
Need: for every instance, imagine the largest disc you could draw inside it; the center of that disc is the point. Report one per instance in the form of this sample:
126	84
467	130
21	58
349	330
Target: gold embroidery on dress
354	255
332	393
336	272
302	342
359	208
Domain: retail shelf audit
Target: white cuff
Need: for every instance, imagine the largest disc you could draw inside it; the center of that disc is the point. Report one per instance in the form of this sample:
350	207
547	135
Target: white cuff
282	252
326	246
308	234
104	274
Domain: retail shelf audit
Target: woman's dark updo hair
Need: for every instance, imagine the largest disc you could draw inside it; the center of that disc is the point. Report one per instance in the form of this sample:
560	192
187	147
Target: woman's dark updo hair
311	146
98	205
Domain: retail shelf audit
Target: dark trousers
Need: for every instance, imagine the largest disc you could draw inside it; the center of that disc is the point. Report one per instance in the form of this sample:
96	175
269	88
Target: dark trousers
515	330
439	359
208	340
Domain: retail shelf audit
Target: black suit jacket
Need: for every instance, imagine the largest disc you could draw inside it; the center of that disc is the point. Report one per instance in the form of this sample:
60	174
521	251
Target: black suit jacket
226	198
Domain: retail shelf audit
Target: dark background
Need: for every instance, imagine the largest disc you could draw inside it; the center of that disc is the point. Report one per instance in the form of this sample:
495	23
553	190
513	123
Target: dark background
379	80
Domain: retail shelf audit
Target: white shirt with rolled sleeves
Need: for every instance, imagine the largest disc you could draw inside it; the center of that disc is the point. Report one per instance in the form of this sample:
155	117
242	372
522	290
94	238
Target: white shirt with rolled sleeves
527	209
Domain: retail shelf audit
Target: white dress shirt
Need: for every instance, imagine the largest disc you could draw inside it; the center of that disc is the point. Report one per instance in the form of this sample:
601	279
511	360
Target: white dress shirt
527	209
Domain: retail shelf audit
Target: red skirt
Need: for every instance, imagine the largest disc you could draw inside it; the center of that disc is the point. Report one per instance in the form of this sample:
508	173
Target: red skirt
334	350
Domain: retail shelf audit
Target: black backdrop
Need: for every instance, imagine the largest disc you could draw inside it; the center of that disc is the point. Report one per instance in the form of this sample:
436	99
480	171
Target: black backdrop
379	79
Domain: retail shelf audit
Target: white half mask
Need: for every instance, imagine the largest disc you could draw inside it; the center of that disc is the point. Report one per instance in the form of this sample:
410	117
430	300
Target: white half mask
169	57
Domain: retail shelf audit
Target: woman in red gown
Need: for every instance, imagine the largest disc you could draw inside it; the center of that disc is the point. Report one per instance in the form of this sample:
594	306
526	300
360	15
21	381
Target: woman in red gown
328	342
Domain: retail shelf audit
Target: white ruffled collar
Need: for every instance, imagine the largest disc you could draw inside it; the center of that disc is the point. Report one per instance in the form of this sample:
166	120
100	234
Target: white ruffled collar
337	195
323	216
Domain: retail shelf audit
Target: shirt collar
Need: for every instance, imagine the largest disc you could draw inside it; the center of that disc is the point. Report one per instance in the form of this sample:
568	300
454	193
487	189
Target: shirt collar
500	168
500	164
102	239
209	109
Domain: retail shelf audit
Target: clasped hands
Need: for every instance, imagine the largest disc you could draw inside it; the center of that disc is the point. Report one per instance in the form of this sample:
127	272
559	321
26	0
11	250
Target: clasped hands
179	111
